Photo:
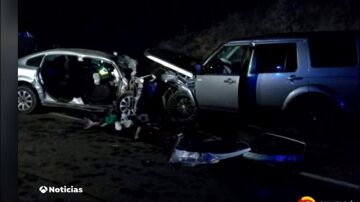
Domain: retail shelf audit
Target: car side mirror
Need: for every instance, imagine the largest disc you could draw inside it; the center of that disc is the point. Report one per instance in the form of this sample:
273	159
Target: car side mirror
198	68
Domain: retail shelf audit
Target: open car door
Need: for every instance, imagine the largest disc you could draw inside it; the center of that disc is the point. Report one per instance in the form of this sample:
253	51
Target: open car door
55	77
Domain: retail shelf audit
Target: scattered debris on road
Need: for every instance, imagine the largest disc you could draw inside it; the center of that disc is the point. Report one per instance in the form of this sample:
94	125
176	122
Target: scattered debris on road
192	152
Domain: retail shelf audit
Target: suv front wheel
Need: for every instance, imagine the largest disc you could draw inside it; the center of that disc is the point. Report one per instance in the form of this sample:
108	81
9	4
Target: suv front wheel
181	107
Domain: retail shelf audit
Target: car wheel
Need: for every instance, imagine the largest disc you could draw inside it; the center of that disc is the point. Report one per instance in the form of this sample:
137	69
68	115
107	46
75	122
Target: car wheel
125	104
181	107
314	116
27	99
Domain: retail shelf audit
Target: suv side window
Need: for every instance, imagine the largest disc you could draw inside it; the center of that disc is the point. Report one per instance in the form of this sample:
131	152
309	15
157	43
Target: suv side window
333	51
229	60
273	58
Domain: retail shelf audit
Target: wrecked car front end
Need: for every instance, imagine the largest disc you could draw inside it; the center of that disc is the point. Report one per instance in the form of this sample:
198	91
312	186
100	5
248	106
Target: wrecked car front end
178	99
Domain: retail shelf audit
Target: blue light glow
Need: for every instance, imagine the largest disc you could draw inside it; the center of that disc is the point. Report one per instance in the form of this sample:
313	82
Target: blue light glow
26	35
279	158
275	158
342	104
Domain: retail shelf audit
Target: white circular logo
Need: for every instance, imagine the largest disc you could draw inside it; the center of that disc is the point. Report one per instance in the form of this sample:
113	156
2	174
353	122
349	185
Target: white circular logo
43	189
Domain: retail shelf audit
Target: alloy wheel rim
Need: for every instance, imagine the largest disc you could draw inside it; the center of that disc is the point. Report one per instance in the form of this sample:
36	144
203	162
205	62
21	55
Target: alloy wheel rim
183	107
25	100
126	105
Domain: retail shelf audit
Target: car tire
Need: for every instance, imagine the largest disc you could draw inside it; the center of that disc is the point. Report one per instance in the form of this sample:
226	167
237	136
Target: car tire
27	99
314	117
125	104
181	107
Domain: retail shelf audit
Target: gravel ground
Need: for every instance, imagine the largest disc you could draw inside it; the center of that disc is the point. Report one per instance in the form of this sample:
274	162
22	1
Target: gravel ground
112	166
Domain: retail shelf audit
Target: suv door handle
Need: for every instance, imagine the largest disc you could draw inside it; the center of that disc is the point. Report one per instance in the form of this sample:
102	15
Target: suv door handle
229	81
294	77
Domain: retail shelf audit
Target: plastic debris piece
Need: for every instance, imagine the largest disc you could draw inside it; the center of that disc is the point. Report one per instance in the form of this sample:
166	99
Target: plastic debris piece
128	123
104	124
147	163
111	118
137	133
89	123
193	158
77	100
118	126
143	118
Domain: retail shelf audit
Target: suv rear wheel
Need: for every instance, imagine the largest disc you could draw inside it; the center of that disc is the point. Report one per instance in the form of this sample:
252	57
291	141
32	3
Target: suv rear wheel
316	115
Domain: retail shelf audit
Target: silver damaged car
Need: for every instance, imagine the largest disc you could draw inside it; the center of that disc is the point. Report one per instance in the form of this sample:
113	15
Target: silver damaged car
72	78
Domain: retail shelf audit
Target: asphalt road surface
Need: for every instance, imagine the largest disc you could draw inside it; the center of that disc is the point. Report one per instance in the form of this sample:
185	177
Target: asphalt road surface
112	166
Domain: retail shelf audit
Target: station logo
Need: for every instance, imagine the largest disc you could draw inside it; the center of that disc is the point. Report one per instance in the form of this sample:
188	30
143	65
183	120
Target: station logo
43	189
306	199
63	189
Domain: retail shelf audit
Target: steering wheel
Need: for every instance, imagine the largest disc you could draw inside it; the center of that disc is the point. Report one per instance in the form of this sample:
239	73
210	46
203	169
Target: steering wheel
217	65
225	61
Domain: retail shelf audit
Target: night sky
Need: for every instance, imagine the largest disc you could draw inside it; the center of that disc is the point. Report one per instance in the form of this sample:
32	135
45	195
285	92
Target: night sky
124	26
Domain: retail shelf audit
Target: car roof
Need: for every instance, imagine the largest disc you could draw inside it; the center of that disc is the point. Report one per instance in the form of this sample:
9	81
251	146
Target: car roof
77	51
293	35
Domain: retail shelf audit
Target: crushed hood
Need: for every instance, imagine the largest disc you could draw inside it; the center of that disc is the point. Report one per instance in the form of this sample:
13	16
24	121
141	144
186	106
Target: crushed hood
177	62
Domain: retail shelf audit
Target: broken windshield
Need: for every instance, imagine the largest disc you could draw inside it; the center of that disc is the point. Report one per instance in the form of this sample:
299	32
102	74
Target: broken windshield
126	64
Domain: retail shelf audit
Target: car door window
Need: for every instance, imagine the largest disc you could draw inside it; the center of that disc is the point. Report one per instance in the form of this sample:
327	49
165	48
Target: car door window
58	65
273	58
230	60
53	67
35	61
